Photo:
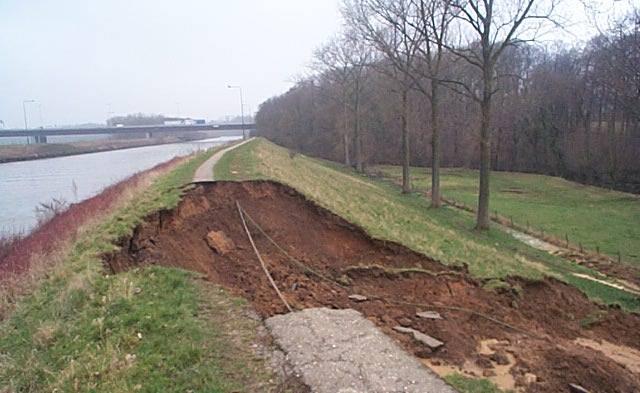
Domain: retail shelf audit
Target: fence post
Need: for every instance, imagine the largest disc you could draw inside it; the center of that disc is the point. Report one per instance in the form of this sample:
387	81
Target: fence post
619	257
512	222
566	237
598	250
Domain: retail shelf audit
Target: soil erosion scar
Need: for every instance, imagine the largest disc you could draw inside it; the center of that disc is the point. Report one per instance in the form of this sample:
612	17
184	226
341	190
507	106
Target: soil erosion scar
204	233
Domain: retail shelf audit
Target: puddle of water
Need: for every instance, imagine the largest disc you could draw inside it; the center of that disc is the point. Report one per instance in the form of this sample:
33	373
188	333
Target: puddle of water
626	356
502	378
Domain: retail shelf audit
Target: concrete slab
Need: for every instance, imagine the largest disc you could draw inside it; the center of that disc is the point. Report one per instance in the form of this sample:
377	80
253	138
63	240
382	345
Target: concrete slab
426	339
341	351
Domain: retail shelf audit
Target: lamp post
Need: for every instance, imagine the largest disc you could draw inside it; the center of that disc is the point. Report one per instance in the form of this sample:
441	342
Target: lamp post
24	111
241	108
40	115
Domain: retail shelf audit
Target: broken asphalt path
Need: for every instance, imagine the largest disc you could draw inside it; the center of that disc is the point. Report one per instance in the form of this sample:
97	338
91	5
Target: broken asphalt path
341	351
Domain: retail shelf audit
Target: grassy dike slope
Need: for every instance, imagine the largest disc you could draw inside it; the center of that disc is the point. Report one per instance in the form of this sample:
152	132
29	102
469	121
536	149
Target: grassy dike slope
147	330
380	208
593	216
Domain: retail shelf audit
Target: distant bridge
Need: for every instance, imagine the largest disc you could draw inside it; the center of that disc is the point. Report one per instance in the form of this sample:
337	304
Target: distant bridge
41	134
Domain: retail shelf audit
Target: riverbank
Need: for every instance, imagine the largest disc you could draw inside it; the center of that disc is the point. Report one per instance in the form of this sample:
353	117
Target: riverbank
14	153
71	327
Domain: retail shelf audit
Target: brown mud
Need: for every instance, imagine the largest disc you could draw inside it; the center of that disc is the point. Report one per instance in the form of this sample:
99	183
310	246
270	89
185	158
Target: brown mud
538	333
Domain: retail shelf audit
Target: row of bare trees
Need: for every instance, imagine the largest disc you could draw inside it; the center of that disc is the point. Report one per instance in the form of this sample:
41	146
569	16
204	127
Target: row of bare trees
461	83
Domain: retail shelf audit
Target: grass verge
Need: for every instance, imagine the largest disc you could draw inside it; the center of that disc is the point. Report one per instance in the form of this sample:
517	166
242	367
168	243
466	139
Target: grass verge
145	330
384	212
471	385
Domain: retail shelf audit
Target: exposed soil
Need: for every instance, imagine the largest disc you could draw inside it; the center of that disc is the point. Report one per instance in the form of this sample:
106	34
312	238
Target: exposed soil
542	354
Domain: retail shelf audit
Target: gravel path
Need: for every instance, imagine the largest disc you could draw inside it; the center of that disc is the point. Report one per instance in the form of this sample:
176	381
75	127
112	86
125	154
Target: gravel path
205	171
341	351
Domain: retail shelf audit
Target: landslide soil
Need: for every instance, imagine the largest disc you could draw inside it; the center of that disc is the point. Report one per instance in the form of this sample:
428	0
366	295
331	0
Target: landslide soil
545	318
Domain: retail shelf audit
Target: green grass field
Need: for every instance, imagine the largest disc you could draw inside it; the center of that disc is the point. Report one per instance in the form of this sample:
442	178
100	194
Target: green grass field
592	216
83	331
380	208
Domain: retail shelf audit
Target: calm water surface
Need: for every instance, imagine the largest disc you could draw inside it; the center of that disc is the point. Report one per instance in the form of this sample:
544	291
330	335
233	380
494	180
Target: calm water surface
24	185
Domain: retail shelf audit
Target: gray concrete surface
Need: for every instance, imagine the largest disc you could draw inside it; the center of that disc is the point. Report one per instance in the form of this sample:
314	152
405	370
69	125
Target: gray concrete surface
339	351
205	171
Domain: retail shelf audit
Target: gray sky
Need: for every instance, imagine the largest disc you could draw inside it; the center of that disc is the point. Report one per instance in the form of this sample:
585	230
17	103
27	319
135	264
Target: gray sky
81	59
76	56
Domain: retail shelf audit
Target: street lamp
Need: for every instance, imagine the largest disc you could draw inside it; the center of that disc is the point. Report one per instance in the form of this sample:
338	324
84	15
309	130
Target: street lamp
241	107
24	111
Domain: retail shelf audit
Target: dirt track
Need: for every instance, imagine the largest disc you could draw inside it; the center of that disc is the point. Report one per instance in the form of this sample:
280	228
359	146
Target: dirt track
552	313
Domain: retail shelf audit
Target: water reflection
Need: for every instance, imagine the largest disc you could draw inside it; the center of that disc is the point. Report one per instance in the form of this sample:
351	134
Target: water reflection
23	185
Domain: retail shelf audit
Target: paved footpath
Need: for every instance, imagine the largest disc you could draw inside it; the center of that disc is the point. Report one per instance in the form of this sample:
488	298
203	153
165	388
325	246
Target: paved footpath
339	351
205	171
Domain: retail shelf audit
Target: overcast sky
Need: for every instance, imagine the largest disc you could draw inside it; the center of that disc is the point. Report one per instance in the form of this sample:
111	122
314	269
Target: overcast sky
76	57
82	59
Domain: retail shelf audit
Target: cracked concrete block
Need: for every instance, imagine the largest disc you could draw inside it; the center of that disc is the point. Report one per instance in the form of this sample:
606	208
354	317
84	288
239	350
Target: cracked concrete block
429	315
421	337
358	298
341	351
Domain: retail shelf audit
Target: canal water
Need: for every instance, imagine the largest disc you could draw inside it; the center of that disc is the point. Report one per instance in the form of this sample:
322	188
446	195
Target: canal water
24	185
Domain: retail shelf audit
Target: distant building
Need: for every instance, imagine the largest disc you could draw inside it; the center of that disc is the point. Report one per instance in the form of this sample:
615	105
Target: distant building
178	121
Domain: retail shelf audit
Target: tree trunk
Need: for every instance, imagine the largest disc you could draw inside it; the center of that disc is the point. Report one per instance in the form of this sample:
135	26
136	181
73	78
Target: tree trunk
435	147
347	160
613	161
356	130
496	159
587	140
406	176
483	221
347	157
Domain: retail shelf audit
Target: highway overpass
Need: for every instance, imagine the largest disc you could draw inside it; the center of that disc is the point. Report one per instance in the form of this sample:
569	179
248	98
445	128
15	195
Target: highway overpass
41	134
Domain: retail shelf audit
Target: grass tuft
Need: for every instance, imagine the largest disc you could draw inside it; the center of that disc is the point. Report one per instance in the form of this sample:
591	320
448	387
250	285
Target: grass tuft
471	385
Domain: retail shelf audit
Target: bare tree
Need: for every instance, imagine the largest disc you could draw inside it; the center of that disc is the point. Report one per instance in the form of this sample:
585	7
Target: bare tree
432	19
344	60
385	25
491	26
569	111
411	34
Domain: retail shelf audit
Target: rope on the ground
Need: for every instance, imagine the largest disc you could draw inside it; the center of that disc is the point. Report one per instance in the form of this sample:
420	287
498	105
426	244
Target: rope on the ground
306	268
299	264
264	266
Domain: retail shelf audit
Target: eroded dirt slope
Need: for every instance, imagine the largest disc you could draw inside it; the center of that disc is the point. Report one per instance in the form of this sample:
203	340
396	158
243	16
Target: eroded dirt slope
541	338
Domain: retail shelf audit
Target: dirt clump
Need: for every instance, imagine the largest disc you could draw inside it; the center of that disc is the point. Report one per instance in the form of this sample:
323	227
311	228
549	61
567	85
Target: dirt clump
220	242
317	259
